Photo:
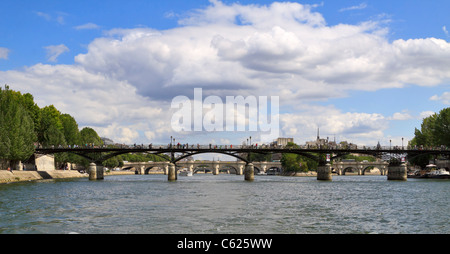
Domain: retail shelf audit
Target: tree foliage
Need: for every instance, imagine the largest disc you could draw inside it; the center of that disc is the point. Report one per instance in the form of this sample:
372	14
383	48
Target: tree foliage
297	163
23	125
434	132
17	135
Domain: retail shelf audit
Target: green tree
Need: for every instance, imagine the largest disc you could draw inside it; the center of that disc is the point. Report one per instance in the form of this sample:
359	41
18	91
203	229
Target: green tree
17	136
70	129
434	132
50	131
89	136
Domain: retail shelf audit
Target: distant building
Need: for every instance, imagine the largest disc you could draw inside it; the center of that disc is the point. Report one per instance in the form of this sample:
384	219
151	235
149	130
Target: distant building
107	141
320	142
282	142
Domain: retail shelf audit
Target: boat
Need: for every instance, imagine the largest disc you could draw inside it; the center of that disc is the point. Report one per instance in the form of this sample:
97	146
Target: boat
261	173
185	172
432	172
439	174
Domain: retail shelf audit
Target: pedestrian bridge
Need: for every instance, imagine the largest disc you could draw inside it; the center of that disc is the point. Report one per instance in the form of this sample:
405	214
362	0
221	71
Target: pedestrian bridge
232	167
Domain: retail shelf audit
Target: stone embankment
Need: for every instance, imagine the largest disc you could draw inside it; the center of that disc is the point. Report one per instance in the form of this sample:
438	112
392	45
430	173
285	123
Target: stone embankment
301	174
25	176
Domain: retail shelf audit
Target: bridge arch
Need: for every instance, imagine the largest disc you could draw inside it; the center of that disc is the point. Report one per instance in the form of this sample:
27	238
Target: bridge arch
210	151
231	168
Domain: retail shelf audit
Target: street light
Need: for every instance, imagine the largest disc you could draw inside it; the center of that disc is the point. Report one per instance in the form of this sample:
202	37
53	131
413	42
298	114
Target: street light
402	144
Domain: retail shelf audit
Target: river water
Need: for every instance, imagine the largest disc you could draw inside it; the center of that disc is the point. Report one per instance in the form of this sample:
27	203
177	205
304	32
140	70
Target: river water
225	204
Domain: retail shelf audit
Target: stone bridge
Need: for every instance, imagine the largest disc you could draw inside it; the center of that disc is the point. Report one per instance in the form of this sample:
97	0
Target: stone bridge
361	168
233	167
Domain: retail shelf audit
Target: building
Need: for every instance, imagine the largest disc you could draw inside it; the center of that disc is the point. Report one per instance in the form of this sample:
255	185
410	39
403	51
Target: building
320	142
282	142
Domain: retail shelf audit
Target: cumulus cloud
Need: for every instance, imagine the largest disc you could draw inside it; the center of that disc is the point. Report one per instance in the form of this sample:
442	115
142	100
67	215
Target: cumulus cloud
280	47
130	76
54	51
361	128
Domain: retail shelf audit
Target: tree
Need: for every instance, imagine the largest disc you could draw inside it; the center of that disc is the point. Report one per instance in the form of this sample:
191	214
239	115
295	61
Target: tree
17	136
89	136
434	132
70	129
50	131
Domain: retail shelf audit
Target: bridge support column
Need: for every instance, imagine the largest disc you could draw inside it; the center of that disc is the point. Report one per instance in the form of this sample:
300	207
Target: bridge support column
399	173
324	172
215	169
249	172
95	172
172	174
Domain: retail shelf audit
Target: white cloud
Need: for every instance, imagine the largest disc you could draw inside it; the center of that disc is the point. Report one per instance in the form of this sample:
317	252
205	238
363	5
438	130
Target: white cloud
355	7
59	17
444	98
4	52
87	26
359	128
426	114
54	51
130	76
401	116
444	28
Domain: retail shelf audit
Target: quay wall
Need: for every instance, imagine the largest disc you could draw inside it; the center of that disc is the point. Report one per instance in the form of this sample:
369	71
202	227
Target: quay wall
25	176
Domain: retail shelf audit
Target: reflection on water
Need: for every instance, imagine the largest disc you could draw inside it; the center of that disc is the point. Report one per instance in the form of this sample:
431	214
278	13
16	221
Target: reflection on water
226	204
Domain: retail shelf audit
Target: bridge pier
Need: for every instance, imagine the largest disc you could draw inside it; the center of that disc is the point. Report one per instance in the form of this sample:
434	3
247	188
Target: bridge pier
172	172
215	168
249	172
399	173
95	172
324	172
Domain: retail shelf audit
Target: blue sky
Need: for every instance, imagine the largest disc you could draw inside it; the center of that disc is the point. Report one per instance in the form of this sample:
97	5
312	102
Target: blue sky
54	49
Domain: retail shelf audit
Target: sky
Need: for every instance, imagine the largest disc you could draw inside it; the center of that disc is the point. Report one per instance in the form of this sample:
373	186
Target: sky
361	71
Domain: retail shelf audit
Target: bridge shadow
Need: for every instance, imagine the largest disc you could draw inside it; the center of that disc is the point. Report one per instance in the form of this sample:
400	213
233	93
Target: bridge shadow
45	175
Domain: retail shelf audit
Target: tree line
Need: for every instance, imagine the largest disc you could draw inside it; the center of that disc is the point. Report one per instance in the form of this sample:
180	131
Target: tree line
24	126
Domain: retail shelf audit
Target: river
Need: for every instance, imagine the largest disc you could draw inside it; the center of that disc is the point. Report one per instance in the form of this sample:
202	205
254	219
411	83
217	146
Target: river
223	204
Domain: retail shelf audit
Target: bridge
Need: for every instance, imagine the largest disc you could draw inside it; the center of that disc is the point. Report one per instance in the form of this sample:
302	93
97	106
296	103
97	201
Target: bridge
96	155
341	167
236	167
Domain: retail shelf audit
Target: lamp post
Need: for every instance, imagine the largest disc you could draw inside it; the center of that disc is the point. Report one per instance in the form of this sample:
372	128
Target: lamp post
402	145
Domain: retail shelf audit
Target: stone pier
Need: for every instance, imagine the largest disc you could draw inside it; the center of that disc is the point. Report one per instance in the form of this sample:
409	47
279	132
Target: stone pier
172	174
249	172
95	172
324	172
399	173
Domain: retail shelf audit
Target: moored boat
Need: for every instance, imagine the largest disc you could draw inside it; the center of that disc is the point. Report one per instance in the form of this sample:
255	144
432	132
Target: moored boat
185	172
431	172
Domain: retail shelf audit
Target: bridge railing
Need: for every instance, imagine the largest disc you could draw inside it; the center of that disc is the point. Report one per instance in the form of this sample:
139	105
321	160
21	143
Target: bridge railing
234	147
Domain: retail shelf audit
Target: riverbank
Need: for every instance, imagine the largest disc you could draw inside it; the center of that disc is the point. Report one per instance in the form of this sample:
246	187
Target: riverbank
26	176
300	174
